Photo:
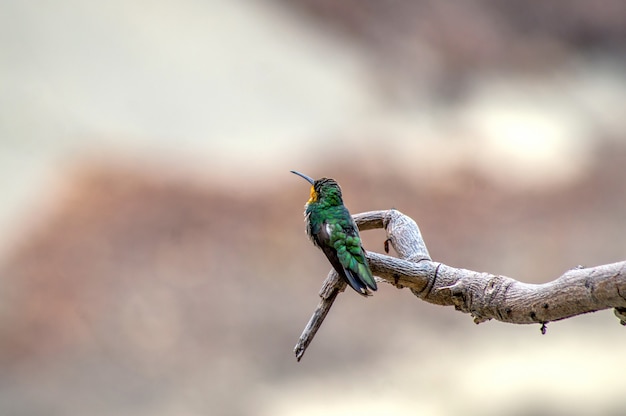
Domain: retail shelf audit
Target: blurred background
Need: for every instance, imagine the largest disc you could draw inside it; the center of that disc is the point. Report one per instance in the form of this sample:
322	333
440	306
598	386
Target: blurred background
153	259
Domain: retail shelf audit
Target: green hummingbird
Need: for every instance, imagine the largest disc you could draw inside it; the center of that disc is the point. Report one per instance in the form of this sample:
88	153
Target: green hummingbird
331	228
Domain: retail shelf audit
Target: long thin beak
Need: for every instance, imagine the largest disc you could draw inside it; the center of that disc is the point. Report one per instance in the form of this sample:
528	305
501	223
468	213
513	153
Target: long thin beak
302	175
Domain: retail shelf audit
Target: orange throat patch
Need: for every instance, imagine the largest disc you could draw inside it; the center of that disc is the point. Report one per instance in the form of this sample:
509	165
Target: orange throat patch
313	195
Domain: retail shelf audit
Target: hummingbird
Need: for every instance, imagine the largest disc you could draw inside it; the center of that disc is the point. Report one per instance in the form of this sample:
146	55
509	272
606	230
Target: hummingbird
331	228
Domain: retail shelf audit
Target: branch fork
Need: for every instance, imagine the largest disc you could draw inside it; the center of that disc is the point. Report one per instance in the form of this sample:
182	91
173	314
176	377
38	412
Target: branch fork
484	296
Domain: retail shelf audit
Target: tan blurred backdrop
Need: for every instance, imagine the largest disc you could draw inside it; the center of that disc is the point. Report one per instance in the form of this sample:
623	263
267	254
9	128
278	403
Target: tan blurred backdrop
153	258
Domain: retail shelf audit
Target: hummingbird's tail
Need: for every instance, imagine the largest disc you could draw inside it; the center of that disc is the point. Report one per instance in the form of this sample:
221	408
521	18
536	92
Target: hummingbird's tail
358	284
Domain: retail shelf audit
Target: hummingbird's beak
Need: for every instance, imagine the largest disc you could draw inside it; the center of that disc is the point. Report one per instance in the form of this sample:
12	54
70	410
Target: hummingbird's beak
302	175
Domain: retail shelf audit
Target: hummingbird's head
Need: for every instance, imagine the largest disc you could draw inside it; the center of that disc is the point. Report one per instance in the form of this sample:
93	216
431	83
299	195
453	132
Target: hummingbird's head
324	190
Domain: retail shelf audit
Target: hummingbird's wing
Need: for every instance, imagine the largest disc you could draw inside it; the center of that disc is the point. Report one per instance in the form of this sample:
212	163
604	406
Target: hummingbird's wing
346	275
341	243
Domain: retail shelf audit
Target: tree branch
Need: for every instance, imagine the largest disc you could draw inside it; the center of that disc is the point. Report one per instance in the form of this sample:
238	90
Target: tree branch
484	296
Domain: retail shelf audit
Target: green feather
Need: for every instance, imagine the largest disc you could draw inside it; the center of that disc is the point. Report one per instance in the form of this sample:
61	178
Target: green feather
332	229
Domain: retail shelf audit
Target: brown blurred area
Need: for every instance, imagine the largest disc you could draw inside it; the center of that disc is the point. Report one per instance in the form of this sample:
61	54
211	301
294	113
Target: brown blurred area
136	288
442	45
141	289
394	26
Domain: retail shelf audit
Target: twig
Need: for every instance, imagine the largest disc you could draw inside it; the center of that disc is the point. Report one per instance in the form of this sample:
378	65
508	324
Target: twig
332	286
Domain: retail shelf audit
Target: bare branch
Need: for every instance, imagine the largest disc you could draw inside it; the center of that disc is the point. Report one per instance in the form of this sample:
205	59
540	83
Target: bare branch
330	289
484	296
